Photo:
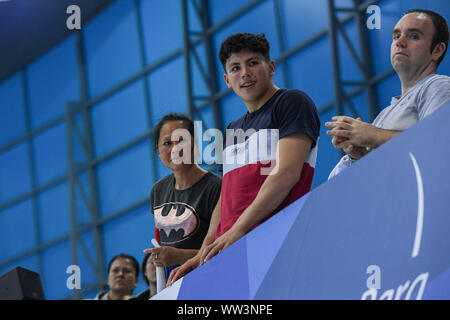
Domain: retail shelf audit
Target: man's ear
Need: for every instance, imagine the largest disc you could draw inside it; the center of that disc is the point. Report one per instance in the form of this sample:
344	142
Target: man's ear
438	51
271	67
225	77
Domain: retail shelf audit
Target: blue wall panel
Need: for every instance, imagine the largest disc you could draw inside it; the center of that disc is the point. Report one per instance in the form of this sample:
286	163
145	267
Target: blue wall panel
199	85
12	120
56	259
130	234
232	108
124	179
168	90
82	210
305	66
111	46
119	119
88	273
14	172
54	214
220	10
348	67
19	230
50	152
162	28
314	18
360	104
207	117
52	81
327	157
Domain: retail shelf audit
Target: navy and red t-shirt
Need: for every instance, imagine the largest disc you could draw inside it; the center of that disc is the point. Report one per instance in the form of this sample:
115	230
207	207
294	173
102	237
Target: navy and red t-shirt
250	149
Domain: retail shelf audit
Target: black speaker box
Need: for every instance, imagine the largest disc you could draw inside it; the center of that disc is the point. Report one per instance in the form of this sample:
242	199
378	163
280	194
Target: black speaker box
21	284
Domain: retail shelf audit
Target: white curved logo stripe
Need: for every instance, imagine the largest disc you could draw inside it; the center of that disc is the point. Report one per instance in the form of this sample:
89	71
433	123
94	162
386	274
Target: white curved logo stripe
420	208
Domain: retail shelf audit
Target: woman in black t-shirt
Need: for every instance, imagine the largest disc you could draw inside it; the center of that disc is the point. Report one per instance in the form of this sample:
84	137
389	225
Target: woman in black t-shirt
183	201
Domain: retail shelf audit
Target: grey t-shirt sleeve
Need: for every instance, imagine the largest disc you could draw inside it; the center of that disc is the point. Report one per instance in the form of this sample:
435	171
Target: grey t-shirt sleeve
433	96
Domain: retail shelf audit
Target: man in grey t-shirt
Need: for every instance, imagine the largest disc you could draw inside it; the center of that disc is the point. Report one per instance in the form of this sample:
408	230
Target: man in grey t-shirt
419	43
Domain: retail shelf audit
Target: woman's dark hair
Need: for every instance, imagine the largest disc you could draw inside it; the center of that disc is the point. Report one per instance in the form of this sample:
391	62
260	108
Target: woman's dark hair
441	32
244	42
187	123
143	266
133	260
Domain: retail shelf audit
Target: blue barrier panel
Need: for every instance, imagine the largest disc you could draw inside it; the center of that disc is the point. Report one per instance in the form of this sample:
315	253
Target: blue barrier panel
378	230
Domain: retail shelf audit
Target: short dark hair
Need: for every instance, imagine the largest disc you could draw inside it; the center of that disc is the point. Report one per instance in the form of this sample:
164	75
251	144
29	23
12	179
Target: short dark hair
133	260
144	265
241	42
441	33
187	122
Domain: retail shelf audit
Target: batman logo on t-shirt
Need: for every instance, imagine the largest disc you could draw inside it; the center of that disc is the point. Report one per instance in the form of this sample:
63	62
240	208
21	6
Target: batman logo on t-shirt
176	222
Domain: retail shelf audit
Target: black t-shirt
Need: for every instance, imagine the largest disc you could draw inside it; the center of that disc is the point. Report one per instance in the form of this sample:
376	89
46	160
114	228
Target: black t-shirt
183	216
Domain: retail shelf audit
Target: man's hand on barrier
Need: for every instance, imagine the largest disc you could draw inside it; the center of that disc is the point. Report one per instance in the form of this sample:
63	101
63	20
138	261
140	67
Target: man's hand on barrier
221	243
183	270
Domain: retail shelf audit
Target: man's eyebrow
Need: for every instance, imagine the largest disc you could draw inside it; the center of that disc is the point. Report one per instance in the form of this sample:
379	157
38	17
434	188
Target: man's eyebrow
231	64
251	58
415	30
397	30
237	63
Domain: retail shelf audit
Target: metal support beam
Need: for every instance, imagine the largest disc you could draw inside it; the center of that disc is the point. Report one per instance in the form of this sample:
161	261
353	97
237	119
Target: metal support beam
89	197
281	41
72	196
187	47
332	25
367	60
211	63
146	86
32	170
364	63
208	73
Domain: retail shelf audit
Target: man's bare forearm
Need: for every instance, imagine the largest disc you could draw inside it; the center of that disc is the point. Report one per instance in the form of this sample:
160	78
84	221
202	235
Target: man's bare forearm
185	254
213	224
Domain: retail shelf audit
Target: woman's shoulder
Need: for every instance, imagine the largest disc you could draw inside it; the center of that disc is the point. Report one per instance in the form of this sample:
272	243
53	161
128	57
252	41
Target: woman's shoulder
161	186
213	178
163	182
